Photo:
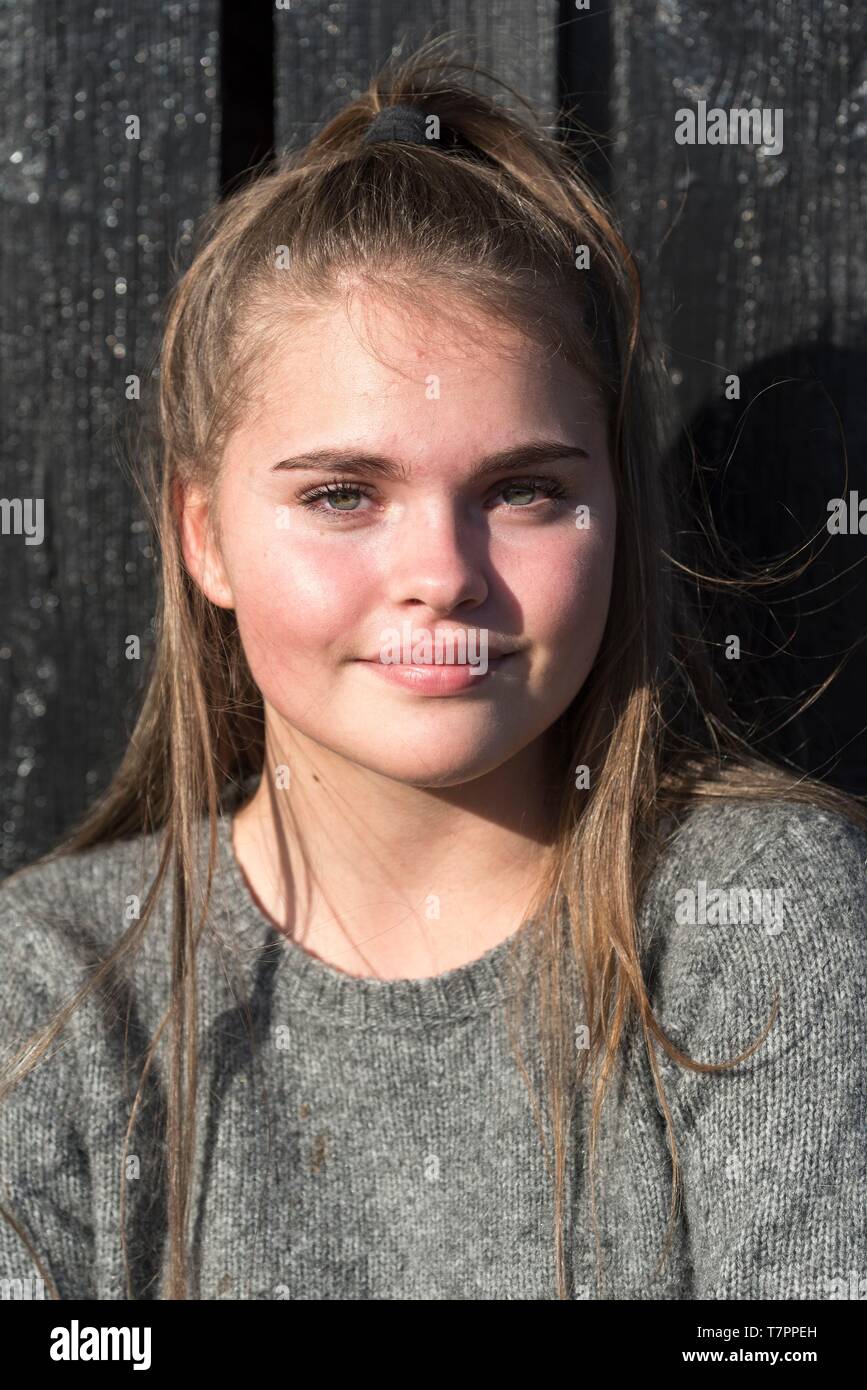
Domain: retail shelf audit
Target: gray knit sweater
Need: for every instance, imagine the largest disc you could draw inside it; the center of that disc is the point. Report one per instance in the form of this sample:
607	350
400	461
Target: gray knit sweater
376	1141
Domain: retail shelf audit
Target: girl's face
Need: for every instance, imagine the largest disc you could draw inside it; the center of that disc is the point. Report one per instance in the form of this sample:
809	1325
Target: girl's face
426	600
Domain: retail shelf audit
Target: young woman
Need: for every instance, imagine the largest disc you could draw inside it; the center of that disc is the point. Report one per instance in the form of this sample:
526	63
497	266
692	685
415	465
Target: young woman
439	936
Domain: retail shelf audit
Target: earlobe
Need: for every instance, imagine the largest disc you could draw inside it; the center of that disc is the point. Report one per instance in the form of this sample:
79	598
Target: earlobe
199	547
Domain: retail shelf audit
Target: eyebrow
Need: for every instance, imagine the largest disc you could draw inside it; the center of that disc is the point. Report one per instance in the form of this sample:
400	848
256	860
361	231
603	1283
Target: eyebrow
534	451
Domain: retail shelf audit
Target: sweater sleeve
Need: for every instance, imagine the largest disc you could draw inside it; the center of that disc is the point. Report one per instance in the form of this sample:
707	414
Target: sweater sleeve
773	1152
44	1166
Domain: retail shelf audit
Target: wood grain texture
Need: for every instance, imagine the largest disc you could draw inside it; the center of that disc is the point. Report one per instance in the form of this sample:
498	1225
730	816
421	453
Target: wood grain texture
754	264
92	222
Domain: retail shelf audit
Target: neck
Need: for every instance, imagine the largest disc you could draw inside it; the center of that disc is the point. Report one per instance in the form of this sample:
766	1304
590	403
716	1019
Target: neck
381	878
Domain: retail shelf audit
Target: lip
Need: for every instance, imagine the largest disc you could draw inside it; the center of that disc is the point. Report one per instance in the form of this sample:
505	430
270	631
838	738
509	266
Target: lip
438	679
458	636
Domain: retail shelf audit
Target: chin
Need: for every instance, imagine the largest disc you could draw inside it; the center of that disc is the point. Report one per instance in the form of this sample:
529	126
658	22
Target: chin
440	769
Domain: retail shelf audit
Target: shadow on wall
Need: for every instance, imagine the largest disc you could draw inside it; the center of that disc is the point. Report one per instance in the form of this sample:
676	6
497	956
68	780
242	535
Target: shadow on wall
771	462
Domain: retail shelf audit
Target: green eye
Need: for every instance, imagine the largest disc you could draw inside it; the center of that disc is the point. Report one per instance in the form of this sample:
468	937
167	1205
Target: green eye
346	494
550	489
328	491
520	487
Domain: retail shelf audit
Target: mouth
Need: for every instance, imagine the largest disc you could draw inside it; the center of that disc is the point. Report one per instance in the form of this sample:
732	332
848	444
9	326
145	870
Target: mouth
432	678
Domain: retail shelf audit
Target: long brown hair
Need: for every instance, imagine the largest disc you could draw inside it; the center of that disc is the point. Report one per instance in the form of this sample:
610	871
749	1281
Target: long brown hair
500	233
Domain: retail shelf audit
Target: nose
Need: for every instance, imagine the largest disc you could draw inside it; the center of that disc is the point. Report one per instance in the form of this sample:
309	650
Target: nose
435	561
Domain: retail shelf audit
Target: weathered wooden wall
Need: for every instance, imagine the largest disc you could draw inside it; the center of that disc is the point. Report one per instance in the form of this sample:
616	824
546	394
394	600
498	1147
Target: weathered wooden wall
753	264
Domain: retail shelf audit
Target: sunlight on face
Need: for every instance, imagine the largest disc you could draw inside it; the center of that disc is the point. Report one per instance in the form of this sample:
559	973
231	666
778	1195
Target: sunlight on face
325	564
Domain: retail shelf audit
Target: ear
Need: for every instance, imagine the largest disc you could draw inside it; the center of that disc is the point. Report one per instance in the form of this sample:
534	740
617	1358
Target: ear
200	550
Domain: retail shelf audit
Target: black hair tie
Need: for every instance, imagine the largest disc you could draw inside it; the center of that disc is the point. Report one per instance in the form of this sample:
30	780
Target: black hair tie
409	124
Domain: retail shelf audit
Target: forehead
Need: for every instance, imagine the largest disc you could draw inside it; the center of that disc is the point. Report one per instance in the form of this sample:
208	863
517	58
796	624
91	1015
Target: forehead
368	365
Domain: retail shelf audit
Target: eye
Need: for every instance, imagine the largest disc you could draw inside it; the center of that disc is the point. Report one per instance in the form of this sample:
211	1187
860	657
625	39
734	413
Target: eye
333	491
551	490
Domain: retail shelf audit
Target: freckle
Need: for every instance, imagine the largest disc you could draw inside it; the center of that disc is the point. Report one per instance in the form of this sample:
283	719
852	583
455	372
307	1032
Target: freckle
315	778
317	1157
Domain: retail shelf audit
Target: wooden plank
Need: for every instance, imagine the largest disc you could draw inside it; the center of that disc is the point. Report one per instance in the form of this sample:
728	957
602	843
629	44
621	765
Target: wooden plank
92	221
327	54
754	264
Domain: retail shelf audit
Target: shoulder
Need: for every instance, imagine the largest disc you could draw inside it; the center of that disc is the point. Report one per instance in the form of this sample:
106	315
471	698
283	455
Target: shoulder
752	901
61	916
69	1074
731	833
811	856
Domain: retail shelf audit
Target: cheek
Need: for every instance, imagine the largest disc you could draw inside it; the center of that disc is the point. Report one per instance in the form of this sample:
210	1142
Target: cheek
577	591
563	587
297	600
571	599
